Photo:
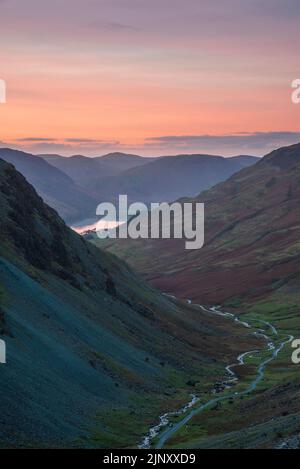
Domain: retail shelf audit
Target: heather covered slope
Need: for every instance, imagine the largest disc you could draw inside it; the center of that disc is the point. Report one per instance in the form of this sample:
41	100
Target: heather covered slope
94	355
54	186
251	238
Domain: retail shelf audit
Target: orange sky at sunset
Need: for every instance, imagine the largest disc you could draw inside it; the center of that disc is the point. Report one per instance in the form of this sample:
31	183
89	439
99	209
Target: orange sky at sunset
122	76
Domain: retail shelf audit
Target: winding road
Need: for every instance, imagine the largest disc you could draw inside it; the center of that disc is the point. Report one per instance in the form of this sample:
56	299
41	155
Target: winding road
169	432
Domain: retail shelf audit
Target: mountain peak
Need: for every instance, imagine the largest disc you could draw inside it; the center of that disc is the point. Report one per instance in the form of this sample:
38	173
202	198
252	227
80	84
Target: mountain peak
284	158
120	155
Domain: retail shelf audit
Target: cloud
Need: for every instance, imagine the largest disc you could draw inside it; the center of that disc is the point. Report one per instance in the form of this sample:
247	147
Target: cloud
258	143
65	146
35	139
113	26
91	141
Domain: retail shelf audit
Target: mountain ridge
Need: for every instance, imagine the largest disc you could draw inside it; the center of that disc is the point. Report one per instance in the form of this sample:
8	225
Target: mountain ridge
170	177
87	171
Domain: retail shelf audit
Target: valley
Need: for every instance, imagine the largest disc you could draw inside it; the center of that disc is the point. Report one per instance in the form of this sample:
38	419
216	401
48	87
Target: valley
93	352
230	396
122	353
249	266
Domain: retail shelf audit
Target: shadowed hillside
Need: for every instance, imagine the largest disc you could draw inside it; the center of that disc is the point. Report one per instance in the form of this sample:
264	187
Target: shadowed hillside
55	187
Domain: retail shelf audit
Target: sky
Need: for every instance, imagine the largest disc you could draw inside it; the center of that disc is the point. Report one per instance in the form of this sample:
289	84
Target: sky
149	77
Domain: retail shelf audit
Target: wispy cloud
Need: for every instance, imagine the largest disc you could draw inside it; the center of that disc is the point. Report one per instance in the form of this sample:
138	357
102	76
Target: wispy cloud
258	143
112	26
91	141
68	146
35	139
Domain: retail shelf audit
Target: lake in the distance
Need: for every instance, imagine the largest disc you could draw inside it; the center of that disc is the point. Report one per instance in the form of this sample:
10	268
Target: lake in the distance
91	224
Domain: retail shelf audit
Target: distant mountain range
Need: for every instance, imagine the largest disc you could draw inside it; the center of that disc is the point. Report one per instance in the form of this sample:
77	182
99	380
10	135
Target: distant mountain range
171	177
89	172
94	355
74	186
148	179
